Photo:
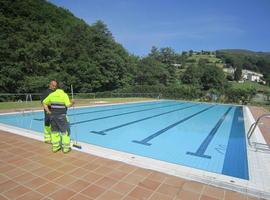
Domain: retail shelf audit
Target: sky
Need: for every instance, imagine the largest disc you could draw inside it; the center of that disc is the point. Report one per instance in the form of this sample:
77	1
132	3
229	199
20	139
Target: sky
182	25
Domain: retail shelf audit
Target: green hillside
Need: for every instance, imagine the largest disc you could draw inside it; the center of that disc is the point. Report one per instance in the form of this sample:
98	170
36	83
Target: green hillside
245	59
246	52
40	41
209	59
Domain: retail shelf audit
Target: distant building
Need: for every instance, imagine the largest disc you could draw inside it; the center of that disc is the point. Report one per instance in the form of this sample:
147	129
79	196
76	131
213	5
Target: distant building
177	65
252	76
247	75
229	70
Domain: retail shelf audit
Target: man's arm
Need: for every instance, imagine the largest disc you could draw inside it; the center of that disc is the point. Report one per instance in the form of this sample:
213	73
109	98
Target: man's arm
72	102
68	103
44	94
45	106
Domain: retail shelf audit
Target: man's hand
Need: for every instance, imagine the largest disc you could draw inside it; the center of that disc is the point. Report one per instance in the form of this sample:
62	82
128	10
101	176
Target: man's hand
46	108
72	102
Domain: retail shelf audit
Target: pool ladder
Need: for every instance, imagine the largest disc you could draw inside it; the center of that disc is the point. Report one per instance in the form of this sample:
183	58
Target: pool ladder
254	125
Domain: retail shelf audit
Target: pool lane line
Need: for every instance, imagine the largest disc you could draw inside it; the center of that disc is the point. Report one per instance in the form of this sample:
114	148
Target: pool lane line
146	140
82	113
38	119
126	113
102	132
204	145
236	151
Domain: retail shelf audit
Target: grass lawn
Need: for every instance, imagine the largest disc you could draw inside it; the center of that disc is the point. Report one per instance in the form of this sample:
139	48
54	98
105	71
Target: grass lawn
249	84
210	59
8	106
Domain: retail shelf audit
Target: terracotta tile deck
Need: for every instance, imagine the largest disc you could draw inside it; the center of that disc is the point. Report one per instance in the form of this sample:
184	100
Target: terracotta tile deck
30	171
265	126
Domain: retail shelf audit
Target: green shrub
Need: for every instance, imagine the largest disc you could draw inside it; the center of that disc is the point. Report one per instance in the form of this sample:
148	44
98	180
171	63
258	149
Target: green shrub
240	95
187	92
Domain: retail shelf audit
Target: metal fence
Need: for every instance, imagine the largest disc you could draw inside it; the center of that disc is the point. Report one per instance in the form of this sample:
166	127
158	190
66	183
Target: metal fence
27	101
20	97
261	98
37	96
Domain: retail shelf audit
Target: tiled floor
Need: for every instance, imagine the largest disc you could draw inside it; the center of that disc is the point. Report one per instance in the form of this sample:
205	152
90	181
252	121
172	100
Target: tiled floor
30	171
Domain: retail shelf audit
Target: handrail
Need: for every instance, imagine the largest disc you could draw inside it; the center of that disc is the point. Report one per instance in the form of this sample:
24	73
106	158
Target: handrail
254	125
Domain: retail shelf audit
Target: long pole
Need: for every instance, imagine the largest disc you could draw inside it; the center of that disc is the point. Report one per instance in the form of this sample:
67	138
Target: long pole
76	139
72	94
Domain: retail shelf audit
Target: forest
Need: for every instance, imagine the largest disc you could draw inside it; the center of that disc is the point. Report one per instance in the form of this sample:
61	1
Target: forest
40	42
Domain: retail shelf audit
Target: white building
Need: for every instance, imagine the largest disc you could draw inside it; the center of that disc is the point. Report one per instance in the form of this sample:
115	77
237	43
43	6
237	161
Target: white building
247	75
229	70
177	65
252	76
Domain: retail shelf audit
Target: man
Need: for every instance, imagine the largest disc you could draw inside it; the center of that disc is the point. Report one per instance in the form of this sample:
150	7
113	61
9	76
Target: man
59	102
47	123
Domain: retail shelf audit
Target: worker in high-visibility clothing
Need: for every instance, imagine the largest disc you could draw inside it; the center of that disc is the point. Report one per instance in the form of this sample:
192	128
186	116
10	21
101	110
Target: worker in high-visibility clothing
59	102
47	120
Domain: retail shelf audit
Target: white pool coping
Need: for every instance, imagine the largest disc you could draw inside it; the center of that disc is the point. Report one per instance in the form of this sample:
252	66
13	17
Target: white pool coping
258	160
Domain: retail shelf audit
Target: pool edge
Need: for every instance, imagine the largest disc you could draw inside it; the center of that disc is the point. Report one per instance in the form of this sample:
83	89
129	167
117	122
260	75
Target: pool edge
250	187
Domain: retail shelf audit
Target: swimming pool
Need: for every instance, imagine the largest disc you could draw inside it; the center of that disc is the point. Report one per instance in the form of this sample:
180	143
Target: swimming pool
204	136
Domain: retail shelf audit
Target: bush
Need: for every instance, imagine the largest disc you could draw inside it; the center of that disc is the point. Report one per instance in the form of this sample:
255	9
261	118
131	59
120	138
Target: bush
187	92
240	95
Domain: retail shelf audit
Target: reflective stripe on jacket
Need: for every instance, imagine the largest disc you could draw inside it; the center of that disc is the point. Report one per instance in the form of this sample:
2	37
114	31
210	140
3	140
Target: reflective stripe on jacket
59	101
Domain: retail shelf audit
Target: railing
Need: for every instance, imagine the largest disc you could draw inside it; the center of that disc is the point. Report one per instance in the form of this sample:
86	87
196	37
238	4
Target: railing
254	125
36	96
30	101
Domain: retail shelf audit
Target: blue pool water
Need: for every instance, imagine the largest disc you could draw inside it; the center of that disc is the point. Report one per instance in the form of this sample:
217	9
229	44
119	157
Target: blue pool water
210	137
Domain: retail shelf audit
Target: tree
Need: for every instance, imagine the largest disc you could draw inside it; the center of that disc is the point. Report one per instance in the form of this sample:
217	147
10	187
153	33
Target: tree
168	57
192	75
241	95
154	53
213	78
39	41
238	73
202	62
151	72
184	53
